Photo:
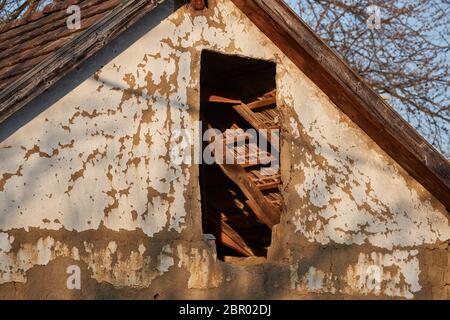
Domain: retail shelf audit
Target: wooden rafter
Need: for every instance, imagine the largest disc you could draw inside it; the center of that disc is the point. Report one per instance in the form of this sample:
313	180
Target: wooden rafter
265	182
265	211
219	99
250	116
229	237
246	154
262	103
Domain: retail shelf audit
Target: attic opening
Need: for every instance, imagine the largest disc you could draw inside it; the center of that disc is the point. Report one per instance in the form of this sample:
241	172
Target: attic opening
240	194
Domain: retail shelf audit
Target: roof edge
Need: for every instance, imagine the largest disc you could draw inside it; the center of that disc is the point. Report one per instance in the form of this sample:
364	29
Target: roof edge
18	93
48	9
351	94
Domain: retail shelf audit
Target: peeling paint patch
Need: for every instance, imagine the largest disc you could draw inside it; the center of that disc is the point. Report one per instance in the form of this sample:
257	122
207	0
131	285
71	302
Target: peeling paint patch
393	274
201	266
111	264
349	191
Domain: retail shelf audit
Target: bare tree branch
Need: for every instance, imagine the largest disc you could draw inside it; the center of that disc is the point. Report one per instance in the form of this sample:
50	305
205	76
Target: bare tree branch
406	58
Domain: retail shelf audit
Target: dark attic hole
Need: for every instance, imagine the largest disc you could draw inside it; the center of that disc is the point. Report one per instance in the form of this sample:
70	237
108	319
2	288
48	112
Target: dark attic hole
241	199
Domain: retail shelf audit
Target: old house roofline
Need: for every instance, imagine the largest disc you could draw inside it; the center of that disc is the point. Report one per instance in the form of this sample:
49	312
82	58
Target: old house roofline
71	54
319	62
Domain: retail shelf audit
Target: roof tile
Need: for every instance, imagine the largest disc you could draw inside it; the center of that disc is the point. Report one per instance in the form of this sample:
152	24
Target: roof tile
26	42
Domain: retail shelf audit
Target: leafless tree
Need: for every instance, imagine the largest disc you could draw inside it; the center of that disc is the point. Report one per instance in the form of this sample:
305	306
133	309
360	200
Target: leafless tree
16	9
405	57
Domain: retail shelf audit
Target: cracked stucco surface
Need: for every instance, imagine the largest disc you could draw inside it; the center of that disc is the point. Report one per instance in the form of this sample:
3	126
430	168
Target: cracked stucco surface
100	157
369	275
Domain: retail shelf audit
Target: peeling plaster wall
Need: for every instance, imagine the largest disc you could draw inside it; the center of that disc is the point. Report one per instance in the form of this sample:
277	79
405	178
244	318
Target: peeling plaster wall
89	181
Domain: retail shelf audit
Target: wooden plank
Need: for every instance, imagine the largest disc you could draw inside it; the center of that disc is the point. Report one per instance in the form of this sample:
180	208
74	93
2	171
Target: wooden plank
44	32
265	211
33	53
255	208
251	154
267	185
219	99
61	62
249	116
46	23
15	59
233	240
228	236
233	153
352	94
275	198
244	158
232	136
261	103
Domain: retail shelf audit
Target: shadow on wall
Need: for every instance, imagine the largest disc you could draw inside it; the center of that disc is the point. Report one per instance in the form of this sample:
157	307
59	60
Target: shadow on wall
64	86
87	68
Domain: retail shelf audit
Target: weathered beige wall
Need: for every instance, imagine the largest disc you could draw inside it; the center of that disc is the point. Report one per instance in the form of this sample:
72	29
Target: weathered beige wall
90	182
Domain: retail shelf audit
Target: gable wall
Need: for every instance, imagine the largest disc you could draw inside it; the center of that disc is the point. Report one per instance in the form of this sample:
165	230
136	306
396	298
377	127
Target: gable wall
90	182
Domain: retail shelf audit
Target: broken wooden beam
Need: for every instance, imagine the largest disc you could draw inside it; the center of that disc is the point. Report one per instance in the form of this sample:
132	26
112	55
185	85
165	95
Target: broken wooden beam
265	182
265	211
264	128
233	240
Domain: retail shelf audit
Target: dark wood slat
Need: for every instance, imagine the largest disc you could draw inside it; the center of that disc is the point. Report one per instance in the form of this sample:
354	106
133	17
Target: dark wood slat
249	116
232	136
255	208
5	82
32	53
43	43
22	67
48	23
245	160
267	185
232	239
229	237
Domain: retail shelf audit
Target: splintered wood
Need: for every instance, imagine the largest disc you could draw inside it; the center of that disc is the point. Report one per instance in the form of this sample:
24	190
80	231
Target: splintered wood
256	184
